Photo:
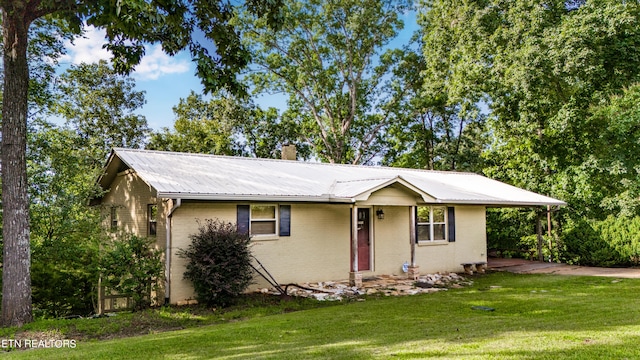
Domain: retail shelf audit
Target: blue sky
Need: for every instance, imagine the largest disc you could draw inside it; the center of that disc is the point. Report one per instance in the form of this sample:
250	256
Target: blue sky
167	79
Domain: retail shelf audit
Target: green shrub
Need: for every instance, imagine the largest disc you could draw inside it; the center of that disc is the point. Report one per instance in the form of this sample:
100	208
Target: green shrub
593	243
506	228
134	268
63	288
219	262
64	275
623	235
529	245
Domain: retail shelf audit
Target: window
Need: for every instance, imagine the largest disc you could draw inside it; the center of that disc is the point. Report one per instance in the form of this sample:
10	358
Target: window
152	219
114	219
263	220
431	223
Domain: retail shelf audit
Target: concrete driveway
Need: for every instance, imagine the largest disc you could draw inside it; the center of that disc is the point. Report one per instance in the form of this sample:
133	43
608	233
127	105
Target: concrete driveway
521	266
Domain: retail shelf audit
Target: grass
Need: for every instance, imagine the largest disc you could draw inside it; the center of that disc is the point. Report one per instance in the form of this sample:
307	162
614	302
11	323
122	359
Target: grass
535	317
127	324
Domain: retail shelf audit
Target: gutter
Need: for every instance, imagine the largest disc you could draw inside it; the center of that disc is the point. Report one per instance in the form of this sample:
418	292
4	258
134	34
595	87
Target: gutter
325	198
167	262
328	198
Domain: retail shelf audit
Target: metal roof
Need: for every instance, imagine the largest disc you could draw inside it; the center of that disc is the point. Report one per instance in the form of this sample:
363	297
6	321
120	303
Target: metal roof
213	177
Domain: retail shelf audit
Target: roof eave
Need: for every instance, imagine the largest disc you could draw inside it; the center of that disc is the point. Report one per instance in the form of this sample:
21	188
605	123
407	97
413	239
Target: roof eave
502	203
325	198
261	198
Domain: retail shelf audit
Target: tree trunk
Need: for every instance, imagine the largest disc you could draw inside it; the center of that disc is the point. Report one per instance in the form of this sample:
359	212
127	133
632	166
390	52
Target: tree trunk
16	276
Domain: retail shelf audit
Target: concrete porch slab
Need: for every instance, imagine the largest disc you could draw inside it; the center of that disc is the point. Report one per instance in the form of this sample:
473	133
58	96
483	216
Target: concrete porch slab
521	266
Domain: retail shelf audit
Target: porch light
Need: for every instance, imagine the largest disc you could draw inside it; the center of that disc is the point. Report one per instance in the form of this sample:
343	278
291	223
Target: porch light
380	214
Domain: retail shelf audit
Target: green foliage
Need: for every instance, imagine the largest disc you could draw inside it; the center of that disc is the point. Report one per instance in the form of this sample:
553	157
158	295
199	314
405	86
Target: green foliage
432	128
614	241
505	228
65	277
428	131
63	164
46	46
133	266
614	170
551	250
202	127
65	232
265	131
547	72
99	105
219	264
129	25
227	125
585	245
325	59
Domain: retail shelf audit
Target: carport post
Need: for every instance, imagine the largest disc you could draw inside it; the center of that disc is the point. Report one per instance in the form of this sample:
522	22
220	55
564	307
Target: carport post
539	234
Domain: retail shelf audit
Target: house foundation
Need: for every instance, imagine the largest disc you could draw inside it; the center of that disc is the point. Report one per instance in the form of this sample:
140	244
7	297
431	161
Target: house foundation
413	272
355	279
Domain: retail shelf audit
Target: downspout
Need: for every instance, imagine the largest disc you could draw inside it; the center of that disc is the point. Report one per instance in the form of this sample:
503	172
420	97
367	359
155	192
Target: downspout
167	269
412	233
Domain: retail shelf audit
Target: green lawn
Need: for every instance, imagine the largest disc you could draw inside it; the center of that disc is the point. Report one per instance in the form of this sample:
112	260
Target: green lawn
535	317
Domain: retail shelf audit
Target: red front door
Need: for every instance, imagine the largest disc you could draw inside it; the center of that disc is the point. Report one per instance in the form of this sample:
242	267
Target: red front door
364	244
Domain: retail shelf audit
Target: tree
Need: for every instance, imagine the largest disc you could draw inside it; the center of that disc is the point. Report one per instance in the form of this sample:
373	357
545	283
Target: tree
615	168
544	69
63	163
227	125
129	25
45	45
65	232
265	131
325	59
428	131
541	68
202	127
99	106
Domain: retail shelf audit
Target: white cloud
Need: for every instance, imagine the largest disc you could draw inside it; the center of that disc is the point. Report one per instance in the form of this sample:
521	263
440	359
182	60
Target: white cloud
88	48
154	64
157	63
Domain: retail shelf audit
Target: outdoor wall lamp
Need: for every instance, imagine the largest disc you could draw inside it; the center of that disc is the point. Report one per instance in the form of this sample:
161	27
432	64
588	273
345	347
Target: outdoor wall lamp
380	214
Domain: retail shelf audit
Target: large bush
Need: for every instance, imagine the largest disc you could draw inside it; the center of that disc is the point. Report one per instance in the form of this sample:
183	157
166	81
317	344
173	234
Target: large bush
133	267
219	262
614	241
64	277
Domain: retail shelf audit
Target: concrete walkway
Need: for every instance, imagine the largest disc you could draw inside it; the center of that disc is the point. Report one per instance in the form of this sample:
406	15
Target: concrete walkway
521	266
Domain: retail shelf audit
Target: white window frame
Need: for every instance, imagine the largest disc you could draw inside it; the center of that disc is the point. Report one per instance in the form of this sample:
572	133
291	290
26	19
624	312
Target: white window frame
432	224
275	220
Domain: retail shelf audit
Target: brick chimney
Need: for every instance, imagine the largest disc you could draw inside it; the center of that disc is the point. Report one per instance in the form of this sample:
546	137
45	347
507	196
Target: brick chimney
289	152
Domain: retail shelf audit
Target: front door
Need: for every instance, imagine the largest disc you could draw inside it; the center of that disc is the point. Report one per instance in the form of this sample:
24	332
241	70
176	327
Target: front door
364	243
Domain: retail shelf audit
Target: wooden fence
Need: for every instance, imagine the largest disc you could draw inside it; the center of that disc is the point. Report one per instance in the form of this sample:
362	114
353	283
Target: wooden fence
109	302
